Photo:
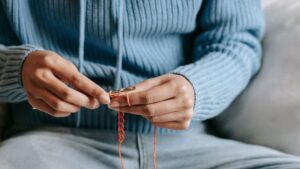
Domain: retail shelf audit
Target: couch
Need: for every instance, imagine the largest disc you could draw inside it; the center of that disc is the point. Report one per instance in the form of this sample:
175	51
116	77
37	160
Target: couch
268	111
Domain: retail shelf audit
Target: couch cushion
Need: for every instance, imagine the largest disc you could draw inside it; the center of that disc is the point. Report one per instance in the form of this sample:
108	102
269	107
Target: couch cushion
268	112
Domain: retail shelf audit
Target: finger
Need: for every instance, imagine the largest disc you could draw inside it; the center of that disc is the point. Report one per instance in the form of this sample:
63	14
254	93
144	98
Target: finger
153	95
42	106
164	107
151	109
53	101
142	86
173	125
150	83
64	92
84	84
156	94
73	76
171	117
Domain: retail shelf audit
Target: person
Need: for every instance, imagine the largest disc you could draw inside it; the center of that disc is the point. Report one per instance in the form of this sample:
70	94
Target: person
188	60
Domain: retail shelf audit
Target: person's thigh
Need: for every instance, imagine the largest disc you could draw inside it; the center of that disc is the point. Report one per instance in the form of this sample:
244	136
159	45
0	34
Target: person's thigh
198	150
66	149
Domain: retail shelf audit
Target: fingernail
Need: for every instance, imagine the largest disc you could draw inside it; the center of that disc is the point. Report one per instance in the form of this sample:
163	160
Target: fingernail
114	104
104	99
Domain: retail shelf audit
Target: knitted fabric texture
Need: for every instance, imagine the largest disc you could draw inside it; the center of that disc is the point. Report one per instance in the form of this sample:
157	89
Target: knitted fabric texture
215	44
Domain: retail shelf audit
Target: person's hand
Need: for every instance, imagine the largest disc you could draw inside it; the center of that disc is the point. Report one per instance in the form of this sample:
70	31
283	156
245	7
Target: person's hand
47	78
167	101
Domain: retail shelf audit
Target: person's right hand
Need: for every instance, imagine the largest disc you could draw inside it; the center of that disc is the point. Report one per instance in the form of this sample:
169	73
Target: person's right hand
46	78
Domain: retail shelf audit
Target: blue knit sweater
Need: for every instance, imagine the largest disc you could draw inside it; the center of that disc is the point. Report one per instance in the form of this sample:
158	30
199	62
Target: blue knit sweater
213	43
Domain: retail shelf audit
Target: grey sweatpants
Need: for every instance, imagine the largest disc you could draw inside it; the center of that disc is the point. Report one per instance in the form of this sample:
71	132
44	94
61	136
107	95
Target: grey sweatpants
64	148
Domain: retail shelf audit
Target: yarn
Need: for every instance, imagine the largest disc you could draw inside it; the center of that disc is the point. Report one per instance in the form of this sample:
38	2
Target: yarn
121	124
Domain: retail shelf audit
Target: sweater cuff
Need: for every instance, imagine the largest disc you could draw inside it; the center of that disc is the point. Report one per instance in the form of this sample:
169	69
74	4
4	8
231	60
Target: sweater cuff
12	58
217	79
187	72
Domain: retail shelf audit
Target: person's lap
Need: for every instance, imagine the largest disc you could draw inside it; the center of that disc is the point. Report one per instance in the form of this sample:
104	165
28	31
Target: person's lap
65	148
204	151
61	148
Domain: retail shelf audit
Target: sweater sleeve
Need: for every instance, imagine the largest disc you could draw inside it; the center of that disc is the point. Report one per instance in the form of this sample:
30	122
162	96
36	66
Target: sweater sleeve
11	59
12	55
227	53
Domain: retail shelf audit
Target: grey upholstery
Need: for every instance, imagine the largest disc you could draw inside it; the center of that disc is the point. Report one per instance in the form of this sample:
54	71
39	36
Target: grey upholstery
268	112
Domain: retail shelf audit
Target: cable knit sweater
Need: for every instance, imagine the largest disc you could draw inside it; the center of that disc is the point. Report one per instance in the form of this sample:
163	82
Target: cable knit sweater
215	44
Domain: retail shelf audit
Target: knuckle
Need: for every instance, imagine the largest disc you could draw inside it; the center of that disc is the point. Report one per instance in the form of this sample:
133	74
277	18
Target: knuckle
184	125
182	89
57	105
45	75
147	98
154	119
185	96
151	118
187	116
66	95
37	73
93	91
190	114
75	79
72	67
149	110
41	75
187	103
173	84
49	60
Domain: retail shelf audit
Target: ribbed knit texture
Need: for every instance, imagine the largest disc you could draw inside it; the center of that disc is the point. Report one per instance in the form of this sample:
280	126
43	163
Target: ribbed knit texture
213	43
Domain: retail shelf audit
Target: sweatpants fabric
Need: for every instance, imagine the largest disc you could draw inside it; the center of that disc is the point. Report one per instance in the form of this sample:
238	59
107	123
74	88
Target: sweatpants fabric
65	148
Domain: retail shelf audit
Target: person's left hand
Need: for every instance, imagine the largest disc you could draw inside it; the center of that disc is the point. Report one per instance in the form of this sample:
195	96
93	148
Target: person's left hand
167	101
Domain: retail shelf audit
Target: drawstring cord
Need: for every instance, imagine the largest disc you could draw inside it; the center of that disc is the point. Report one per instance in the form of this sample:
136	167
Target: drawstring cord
121	123
82	6
120	46
121	115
